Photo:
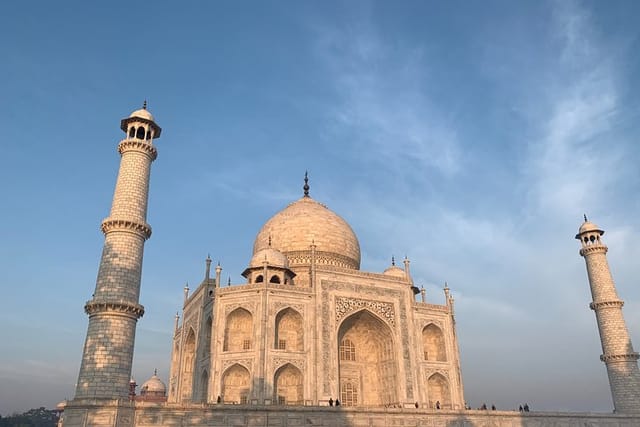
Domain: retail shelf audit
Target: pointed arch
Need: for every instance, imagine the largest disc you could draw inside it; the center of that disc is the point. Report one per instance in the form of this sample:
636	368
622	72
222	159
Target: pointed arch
288	386
189	350
289	330
132	131
367	365
259	278
188	360
438	389
238	333
275	279
235	384
140	133
204	386
433	344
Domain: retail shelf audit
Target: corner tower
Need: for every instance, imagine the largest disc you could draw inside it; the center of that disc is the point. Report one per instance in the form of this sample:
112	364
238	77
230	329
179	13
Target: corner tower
617	351
114	309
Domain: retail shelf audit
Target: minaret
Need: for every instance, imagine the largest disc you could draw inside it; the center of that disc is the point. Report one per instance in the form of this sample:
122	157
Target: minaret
617	352
114	309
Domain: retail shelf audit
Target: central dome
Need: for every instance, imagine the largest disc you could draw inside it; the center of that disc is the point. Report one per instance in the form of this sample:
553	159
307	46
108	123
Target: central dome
306	222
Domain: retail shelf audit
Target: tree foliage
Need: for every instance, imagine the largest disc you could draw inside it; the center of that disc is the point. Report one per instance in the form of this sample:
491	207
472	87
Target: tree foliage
39	417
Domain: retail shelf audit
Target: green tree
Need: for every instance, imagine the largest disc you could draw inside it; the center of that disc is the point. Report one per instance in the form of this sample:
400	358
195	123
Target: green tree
40	417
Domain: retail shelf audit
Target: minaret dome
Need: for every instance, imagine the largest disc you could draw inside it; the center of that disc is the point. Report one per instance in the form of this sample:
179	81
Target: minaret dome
141	125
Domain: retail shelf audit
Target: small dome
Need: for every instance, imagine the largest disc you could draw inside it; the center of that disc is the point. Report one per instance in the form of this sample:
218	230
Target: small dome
307	222
274	258
587	227
153	385
142	113
395	271
60	406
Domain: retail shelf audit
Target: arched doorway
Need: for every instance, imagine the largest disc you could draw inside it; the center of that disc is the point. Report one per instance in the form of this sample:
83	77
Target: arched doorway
438	388
288	386
366	361
235	385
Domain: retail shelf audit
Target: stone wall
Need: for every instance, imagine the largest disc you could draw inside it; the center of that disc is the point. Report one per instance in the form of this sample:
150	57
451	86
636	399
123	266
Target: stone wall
227	415
174	415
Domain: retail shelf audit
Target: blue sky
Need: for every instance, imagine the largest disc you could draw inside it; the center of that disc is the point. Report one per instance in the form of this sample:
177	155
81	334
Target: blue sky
469	136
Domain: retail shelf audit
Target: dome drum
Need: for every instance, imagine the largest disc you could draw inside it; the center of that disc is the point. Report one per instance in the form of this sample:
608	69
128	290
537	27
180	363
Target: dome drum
302	258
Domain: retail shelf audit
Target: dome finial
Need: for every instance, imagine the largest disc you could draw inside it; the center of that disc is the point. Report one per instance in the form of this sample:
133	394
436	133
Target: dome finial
306	184
393	260
585	218
144	105
155	372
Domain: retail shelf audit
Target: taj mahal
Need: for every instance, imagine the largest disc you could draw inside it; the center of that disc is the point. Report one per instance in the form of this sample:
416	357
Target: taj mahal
309	326
308	339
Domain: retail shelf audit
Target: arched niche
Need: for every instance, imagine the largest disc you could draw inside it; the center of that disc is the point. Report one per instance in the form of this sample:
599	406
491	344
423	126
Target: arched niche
288	384
235	385
238	332
188	361
204	386
438	390
289	330
433	344
367	366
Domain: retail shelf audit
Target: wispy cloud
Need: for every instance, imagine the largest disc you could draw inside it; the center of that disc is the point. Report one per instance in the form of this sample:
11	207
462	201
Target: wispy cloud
382	102
502	266
567	161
